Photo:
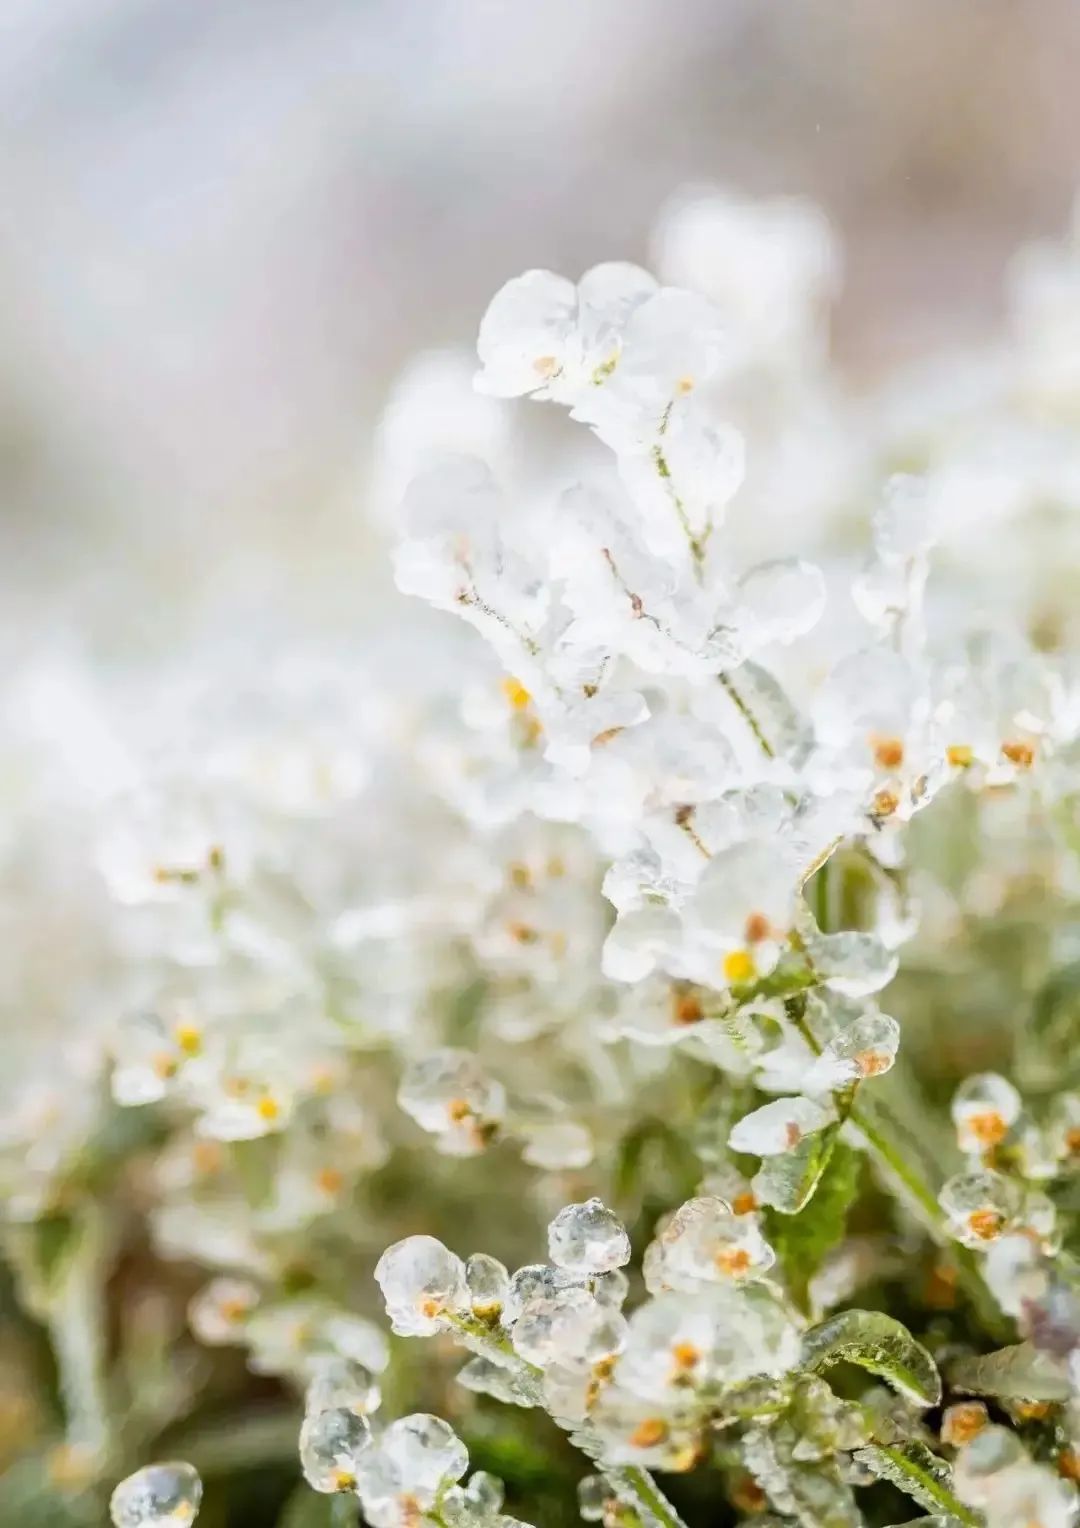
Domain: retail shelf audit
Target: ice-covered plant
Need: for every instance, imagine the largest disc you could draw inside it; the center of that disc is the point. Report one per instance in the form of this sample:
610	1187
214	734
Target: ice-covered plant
713	900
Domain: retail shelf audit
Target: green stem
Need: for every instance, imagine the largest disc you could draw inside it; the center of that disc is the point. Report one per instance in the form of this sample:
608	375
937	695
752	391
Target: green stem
922	1198
873	1125
747	715
77	1329
639	1490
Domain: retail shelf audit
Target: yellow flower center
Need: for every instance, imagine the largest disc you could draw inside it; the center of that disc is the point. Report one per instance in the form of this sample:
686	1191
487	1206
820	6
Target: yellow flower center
738	967
517	696
649	1433
988	1128
872	1063
985	1224
189	1038
734	1261
888	752
1019	752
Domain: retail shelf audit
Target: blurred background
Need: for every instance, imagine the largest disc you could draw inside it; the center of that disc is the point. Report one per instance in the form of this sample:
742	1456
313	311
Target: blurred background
225	226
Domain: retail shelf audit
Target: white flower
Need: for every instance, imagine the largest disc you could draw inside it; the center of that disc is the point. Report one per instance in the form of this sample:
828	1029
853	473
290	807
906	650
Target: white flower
543	336
984	1109
406	1468
779	1126
422	1283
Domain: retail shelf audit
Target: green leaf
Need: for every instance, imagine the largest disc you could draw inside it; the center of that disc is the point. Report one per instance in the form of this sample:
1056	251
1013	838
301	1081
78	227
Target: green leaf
803	1240
787	1182
919	1473
1017	1373
875	1342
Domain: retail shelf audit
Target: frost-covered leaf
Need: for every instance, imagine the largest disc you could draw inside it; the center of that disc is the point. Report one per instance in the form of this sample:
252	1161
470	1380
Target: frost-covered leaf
1019	1373
485	1378
919	1473
787	1182
875	1342
810	1494
802	1241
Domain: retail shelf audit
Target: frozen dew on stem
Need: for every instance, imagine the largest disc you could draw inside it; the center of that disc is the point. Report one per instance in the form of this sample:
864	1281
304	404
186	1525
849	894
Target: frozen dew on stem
157	1496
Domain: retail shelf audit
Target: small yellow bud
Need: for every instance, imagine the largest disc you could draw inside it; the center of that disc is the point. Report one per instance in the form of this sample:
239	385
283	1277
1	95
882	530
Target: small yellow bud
189	1038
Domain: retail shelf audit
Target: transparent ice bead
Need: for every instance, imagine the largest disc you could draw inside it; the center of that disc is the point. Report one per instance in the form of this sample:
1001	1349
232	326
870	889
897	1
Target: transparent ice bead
331	1444
587	1238
593	1494
163	1495
570	1326
417	1456
489	1285
342	1384
421	1281
980	1206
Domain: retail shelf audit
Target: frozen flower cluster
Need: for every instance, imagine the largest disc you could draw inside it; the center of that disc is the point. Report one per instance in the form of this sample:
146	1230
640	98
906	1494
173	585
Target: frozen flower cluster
708	891
407	1474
